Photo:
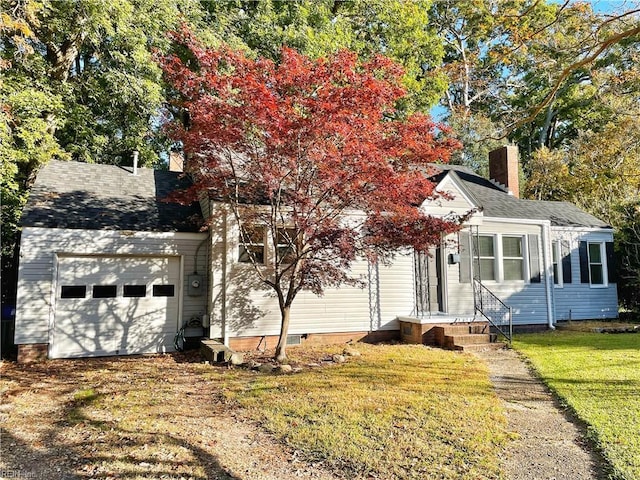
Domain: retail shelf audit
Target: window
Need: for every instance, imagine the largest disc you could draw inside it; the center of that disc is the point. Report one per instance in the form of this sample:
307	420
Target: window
484	247
512	258
134	291
252	245
556	265
73	291
596	265
163	290
286	245
105	291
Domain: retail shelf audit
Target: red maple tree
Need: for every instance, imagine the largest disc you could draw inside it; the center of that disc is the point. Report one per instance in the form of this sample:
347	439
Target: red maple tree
311	152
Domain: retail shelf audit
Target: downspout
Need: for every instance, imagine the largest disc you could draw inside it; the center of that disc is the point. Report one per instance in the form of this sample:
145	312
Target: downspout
135	162
225	271
548	268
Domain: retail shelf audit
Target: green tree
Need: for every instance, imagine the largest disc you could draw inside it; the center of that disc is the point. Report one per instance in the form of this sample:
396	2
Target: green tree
78	81
600	172
536	70
399	30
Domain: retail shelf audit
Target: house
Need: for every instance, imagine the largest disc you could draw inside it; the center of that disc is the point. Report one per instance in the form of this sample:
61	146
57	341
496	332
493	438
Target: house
107	268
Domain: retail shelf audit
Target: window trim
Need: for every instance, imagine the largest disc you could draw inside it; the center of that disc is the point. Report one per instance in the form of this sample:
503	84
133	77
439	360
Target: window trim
289	246
558	282
602	263
524	255
496	273
243	247
499	258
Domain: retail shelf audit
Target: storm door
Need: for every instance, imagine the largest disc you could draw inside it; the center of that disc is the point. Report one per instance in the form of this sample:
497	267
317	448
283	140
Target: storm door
428	278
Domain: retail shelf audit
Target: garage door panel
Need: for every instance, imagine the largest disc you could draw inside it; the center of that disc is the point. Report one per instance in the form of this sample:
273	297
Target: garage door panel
115	325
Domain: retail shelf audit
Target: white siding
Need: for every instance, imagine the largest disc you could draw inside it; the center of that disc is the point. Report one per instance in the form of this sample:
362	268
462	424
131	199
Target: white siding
528	300
253	310
38	250
397	291
581	300
243	306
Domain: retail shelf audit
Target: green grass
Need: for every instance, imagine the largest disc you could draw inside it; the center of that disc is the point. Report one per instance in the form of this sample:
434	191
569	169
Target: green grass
598	376
396	412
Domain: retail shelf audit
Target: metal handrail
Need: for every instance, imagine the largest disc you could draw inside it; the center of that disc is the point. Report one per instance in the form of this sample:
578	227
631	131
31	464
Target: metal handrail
493	309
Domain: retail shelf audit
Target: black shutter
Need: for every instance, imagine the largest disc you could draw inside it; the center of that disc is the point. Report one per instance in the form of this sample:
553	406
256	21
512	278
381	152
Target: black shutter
465	257
584	263
534	259
565	251
612	270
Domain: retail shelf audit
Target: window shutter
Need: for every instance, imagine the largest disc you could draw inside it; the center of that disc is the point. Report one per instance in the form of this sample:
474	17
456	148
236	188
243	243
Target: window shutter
584	263
566	262
612	271
465	257
534	259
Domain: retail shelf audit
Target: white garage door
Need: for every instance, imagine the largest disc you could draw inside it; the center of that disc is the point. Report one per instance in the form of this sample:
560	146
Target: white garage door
115	306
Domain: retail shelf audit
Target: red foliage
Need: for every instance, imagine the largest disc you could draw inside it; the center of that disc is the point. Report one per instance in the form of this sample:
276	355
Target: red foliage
319	144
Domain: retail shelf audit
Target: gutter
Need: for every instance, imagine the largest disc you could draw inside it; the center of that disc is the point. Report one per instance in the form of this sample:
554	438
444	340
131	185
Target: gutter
548	268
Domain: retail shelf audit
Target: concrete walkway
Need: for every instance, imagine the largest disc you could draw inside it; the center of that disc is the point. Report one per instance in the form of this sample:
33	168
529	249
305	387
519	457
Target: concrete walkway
549	446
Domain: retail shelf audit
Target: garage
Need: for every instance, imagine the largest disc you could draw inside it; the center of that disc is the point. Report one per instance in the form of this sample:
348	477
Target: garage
115	305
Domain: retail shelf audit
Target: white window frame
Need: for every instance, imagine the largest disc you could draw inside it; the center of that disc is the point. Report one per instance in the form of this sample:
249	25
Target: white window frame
496	272
242	246
602	263
557	251
291	247
524	258
499	258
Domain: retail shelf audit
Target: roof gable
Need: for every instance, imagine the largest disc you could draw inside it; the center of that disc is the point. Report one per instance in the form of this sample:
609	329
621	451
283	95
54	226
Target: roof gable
496	202
460	200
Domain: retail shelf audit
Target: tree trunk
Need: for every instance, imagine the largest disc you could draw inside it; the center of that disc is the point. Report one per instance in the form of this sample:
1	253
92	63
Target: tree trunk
281	349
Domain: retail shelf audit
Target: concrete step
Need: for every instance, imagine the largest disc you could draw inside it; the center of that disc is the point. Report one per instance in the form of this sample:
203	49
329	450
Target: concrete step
481	347
215	351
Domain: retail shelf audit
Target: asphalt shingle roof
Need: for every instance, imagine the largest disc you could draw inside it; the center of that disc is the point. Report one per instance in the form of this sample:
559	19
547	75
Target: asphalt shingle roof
108	197
497	203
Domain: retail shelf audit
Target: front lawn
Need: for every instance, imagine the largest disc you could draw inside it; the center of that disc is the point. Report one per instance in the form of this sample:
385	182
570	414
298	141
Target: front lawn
598	376
397	412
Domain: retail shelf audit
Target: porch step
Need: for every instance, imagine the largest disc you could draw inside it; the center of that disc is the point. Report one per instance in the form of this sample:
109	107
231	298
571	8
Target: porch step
473	336
481	347
453	341
215	351
466	328
458	329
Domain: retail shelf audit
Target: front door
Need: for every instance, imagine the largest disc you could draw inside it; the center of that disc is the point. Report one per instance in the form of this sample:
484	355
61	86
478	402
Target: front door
429	283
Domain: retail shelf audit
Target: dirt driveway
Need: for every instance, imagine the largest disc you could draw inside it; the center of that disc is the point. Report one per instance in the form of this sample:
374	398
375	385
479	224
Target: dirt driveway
193	434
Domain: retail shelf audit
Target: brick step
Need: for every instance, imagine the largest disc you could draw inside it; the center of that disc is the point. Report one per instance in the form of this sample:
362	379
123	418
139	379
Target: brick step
466	329
481	347
468	339
441	331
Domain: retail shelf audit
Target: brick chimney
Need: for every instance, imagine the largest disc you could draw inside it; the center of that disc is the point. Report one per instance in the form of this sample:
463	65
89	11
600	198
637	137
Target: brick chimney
503	167
176	161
